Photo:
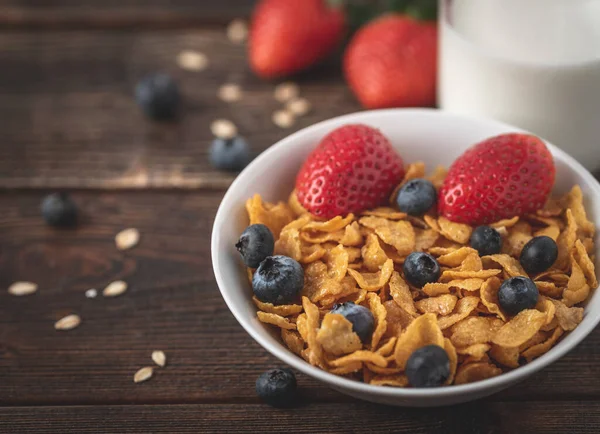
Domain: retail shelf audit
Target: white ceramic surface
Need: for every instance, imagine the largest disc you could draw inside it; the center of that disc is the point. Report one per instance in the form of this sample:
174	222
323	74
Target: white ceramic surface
418	134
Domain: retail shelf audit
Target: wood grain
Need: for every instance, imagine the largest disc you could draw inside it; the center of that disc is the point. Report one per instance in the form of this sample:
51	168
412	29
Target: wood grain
70	120
96	14
173	305
357	417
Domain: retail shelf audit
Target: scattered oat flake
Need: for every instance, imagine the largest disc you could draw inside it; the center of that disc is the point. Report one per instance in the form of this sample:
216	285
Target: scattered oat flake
298	106
69	322
283	119
91	293
159	358
127	238
143	374
22	288
286	91
223	129
191	60
114	289
237	31
230	92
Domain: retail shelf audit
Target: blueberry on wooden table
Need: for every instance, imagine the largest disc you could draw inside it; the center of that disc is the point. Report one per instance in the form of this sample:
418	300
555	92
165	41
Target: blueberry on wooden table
278	280
416	197
517	294
255	244
486	240
158	96
58	209
421	268
361	318
538	254
231	154
428	366
277	387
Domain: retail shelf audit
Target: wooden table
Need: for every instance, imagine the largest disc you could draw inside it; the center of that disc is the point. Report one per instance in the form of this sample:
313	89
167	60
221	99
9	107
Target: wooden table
68	122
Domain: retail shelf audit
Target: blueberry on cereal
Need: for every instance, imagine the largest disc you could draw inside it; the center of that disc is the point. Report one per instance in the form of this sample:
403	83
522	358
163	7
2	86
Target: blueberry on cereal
538	254
421	268
278	280
428	366
361	318
255	244
486	240
416	197
277	387
517	294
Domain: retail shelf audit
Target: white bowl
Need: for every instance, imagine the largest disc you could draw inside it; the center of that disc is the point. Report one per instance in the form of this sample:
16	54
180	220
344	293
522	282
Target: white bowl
434	137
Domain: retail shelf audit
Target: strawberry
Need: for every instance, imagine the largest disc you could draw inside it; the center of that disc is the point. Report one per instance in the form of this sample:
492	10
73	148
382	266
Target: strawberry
287	36
392	61
502	177
353	168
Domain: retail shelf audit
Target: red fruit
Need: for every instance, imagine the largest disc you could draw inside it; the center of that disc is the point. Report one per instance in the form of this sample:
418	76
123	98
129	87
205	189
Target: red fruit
392	62
501	177
354	168
290	35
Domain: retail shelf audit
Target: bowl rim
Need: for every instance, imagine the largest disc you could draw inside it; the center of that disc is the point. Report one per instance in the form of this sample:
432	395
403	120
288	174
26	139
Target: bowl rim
286	356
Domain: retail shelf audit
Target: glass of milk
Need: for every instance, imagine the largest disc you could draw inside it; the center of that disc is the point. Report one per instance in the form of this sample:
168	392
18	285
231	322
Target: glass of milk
532	63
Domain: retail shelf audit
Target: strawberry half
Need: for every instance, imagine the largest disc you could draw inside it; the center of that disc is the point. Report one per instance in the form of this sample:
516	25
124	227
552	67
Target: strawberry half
354	168
501	177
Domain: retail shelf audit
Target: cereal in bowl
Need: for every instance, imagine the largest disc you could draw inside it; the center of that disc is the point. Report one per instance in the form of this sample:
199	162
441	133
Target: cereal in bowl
420	291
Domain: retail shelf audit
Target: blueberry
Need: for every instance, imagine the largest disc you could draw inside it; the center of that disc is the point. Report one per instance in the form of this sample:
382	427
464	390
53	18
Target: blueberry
486	240
277	387
230	154
59	210
416	197
361	318
428	366
255	244
538	254
516	294
278	280
158	96
421	268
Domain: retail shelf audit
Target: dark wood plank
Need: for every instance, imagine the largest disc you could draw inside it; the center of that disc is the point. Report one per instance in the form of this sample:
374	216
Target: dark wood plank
173	304
474	418
86	14
69	118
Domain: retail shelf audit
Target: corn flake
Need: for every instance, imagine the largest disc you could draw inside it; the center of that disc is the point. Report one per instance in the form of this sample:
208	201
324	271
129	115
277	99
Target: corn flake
276	320
519	329
360	356
451	352
315	352
457	232
400	292
505	223
577	289
505	356
474	330
295	205
542	348
455	258
508	263
424	239
373	281
386	213
475	351
568	317
586	264
282	310
389	380
335	224
275	217
574	201
373	255
467	284
441	305
293	340
476	372
398	234
566	241
463	309
289	244
380	315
